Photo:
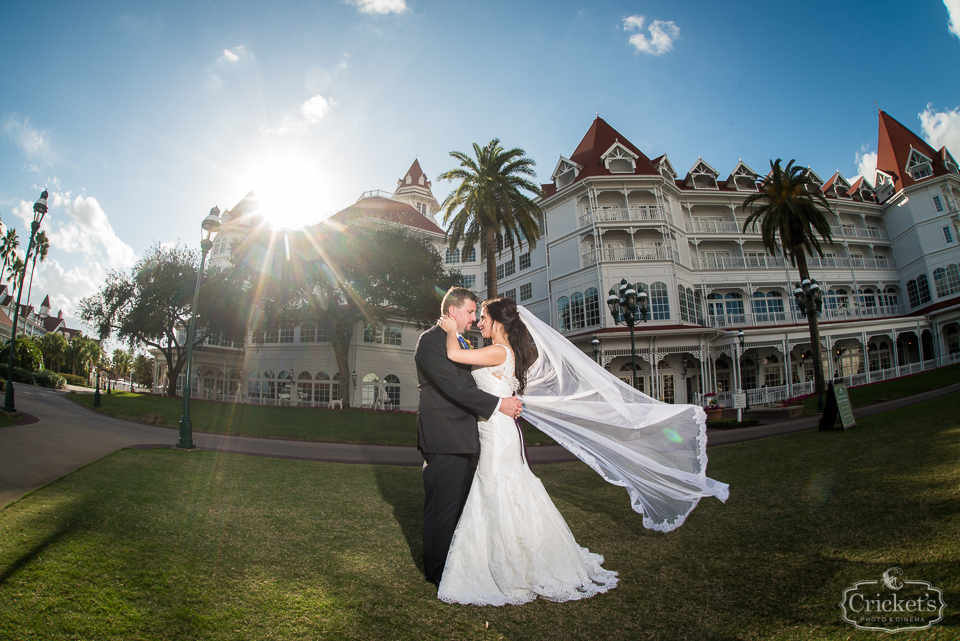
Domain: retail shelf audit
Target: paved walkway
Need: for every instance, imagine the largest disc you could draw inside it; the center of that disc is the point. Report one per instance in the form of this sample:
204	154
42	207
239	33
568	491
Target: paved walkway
68	436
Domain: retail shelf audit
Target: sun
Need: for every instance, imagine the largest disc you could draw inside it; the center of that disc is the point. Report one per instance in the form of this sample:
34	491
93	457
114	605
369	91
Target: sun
290	190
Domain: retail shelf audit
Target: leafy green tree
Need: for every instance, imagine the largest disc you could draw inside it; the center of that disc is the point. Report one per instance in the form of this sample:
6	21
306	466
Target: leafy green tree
338	277
82	353
152	305
54	348
143	371
491	205
27	355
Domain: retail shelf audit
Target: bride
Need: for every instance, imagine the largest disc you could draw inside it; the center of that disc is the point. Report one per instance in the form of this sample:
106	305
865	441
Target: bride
511	544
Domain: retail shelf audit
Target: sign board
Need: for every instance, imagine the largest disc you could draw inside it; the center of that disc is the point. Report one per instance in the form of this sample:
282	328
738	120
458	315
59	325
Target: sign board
837	406
740	401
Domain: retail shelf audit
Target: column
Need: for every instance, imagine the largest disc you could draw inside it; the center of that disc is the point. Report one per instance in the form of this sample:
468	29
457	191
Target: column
896	355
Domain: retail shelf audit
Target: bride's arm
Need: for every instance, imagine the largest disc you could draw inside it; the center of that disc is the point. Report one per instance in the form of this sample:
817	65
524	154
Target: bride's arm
485	357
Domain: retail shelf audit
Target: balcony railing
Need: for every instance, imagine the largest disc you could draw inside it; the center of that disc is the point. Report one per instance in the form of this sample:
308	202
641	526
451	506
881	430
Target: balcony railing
740	227
751	319
619	254
728	262
712	227
615	213
860	232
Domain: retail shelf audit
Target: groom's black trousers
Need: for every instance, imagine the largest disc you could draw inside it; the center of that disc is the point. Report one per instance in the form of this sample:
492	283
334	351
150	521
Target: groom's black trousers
446	484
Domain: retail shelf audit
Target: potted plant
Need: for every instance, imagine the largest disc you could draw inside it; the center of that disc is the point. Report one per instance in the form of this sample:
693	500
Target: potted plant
713	408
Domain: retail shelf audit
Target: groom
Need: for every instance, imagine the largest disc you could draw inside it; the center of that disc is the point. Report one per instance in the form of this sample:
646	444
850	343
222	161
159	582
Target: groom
450	403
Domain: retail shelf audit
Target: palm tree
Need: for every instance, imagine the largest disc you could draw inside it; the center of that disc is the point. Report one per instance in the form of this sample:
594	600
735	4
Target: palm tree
8	247
788	209
40	250
490	206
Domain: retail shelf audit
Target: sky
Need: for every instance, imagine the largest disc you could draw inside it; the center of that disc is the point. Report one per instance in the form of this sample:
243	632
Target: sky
140	117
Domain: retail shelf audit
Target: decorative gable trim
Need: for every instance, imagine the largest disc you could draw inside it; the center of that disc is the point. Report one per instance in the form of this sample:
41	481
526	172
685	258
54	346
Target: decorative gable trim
665	167
742	178
565	172
619	160
702	176
918	166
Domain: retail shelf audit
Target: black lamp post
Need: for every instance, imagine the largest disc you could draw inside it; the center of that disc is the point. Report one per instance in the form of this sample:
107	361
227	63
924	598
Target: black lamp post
96	391
624	307
596	348
743	350
809	298
210	227
39	211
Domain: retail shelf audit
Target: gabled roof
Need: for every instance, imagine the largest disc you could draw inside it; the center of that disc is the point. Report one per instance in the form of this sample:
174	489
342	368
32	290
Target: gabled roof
5	320
52	323
894	146
742	170
387	210
838	181
244	213
46	302
862	190
415	173
596	142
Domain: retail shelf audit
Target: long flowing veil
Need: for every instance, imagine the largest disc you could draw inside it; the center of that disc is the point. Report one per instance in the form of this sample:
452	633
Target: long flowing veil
656	450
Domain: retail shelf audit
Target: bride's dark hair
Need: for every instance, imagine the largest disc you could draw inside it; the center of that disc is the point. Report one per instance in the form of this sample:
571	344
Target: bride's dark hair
504	311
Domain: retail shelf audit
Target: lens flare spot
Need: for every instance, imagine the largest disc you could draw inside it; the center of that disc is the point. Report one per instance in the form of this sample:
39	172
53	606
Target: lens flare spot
819	489
672	435
440	292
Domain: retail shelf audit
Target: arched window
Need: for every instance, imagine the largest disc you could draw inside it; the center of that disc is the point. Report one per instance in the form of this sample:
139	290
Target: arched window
758	303
923	288
371	391
592	302
305	387
392	383
775	305
563	314
913	293
268	387
392	335
253	384
470	254
372	334
453	255
576	311
659	301
715	304
283	385
940	282
867	299
322	394
953	279
698	304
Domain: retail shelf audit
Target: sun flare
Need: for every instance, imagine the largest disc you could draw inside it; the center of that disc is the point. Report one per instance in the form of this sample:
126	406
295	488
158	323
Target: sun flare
290	191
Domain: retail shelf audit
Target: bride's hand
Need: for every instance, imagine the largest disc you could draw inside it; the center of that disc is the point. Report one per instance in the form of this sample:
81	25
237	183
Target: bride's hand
447	324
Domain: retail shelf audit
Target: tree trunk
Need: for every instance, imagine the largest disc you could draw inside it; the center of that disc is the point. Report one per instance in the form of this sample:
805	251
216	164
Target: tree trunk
340	340
811	322
490	255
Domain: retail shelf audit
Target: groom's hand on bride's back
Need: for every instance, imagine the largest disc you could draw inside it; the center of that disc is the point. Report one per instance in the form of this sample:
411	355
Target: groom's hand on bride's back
511	406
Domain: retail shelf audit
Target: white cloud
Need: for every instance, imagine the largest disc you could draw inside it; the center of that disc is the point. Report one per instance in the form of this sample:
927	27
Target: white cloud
309	113
380	6
231	58
80	226
941	128
33	142
866	164
661	38
953	16
234	55
65	286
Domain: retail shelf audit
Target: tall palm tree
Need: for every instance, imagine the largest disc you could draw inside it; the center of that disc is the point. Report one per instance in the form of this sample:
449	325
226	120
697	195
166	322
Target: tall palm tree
788	210
41	248
8	247
490	205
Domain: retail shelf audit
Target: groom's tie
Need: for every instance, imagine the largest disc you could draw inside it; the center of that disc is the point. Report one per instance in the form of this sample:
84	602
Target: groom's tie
463	342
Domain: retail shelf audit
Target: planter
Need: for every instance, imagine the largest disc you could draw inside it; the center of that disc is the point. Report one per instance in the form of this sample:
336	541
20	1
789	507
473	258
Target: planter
713	415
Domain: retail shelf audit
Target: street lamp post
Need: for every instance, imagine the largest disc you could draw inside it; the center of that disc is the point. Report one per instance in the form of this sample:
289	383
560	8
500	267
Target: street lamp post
624	306
596	348
210	227
741	337
809	299
39	211
96	391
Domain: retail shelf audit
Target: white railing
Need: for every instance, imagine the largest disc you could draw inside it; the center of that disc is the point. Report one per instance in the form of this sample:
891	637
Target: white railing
859	232
735	262
712	227
618	254
614	213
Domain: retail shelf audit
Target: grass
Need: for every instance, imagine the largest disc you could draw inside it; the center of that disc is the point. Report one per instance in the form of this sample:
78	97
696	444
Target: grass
296	423
161	544
7	421
894	389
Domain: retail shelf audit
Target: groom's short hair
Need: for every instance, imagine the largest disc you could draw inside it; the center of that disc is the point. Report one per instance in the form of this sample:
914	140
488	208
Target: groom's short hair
456	297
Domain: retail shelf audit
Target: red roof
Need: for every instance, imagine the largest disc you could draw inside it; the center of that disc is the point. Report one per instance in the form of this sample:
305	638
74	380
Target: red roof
415	173
51	323
386	209
893	151
46	301
598	139
5	320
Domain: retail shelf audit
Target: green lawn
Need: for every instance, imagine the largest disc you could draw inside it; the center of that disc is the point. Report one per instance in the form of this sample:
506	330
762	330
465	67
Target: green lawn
297	423
162	544
893	389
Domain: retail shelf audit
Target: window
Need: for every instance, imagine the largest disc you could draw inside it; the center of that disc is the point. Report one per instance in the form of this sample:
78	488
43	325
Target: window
576	311
453	256
526	291
392	335
268	387
468	281
371	334
308	333
775	305
938	204
335	387
283	385
856	260
393	390
563	314
947	234
953	279
759	306
286	334
506	269
524	261
592	303
271	335
892	300
323	388
734	304
305	388
469	254
510	293
682	297
940	282
913	294
253	385
371	391
923	288
867	299
659	301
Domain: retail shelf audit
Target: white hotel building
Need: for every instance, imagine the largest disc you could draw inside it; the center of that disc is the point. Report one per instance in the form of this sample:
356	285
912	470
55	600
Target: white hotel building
891	280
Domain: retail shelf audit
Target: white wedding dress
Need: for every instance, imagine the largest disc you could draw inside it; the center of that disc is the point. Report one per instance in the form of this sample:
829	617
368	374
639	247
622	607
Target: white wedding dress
511	544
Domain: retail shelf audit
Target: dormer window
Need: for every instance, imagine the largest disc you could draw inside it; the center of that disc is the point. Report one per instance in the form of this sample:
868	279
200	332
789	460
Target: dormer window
565	172
918	165
839	187
666	169
422	180
948	161
702	176
409	180
884	186
743	178
619	160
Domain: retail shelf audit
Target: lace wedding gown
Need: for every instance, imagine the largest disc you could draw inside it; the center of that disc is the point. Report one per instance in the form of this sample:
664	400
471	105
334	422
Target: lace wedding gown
511	544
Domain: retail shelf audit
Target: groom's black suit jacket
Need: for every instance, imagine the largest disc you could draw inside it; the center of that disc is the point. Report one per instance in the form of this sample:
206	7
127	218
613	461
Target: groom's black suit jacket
450	400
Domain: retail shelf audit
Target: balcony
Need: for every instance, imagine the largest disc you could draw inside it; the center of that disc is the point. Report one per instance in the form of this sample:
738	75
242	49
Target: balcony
712	227
621	214
627	254
871	233
793	316
727	262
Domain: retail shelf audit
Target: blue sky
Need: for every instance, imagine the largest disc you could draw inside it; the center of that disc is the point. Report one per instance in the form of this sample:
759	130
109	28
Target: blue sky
140	117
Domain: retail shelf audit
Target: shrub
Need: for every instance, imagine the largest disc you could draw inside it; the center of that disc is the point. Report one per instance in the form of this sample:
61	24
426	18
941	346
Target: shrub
46	378
729	423
27	355
75	380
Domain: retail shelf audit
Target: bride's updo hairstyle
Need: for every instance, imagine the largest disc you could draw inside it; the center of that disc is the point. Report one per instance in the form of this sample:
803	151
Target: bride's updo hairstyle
504	311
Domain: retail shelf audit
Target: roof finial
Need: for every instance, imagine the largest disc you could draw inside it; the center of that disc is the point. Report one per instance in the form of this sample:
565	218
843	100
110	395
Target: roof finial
877	106
598	113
